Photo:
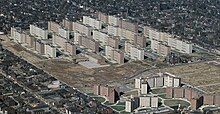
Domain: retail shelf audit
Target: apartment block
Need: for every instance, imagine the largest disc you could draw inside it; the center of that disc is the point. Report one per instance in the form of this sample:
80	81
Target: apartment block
140	40
146	31
92	22
178	92
137	53
71	48
96	89
137	83
76	37
109	52
172	81
208	99
16	35
89	43
145	101
180	46
144	88
104	91
169	92
131	104
154	101
113	41
154	34
151	82
196	102
60	41
114	31
103	17
188	93
164	36
114	21
113	96
69	25
40	46
38	32
125	24
113	54
154	45
83	29
50	50
53	27
128	46
30	41
160	48
126	34
217	99
159	81
163	50
118	56
101	37
111	92
163	79
168	81
64	33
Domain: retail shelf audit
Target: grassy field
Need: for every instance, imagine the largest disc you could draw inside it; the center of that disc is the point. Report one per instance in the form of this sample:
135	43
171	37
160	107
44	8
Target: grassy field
175	103
100	99
118	108
205	75
108	103
158	91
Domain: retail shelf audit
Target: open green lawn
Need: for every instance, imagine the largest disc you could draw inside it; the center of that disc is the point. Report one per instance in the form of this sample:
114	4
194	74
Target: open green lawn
175	102
118	108
158	91
108	103
121	103
100	99
162	96
123	112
